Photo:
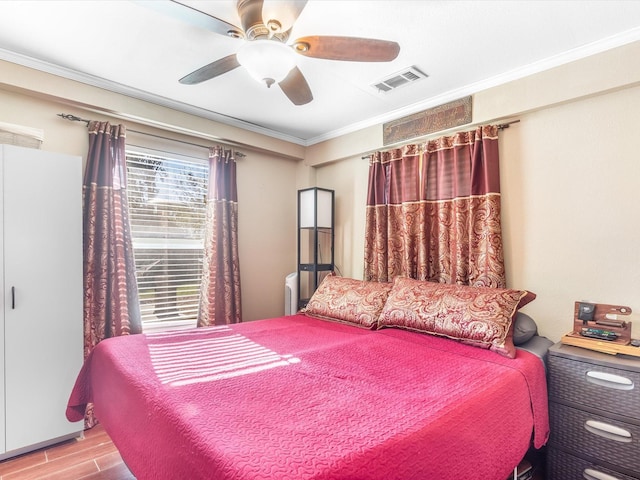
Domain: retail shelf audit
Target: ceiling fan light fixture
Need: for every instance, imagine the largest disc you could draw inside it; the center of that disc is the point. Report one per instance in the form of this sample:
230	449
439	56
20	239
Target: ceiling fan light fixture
274	26
301	47
235	34
267	61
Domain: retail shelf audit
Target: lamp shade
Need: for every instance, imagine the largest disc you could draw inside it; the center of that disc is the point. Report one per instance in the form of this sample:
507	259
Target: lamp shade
267	61
316	208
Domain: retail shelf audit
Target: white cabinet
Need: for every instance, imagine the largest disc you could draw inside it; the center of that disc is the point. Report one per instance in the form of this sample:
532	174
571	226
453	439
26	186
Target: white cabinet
41	328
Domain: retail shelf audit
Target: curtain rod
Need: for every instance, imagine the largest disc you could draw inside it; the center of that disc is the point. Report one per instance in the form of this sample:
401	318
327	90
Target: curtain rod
501	126
74	118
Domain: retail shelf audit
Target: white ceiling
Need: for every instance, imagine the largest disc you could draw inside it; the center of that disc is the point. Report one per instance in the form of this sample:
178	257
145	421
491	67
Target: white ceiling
463	46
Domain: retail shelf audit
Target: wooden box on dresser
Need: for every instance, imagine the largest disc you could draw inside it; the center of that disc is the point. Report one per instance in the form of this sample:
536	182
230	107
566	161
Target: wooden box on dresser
594	410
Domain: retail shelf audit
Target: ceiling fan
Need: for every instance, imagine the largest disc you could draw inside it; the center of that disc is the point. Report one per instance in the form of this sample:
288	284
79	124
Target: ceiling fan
265	52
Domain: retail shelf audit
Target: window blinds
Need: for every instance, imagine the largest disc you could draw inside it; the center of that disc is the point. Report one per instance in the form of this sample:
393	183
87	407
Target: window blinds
167	201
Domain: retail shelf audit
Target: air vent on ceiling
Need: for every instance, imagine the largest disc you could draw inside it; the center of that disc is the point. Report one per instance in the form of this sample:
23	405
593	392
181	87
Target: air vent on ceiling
404	77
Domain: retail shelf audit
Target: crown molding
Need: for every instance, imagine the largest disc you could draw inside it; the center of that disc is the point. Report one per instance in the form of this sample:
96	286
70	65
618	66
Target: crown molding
600	46
118	88
609	43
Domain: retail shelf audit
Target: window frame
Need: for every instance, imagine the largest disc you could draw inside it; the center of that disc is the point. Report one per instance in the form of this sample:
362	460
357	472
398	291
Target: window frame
184	155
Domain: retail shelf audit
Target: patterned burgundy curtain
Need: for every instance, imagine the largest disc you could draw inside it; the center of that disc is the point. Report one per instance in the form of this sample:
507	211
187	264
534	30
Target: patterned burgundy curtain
220	288
433	211
111	306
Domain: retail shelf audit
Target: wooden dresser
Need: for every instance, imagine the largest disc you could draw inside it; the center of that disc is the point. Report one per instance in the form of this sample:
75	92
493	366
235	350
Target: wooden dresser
594	410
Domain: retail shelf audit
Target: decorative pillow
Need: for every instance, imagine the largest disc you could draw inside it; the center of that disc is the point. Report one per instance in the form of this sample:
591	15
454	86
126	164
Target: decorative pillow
524	328
348	300
479	316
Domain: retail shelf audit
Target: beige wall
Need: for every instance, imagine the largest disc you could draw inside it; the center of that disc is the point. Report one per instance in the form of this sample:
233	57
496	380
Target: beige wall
608	71
349	180
267	185
570	178
570	175
267	198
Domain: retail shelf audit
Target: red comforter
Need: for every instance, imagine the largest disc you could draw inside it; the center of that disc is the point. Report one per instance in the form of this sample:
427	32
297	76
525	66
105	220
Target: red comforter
302	398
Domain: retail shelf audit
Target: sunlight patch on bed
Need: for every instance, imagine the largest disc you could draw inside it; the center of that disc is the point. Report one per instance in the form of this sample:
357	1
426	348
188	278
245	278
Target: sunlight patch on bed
183	361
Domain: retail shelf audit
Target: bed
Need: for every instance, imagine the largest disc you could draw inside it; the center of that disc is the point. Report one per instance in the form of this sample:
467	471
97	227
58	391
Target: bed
310	396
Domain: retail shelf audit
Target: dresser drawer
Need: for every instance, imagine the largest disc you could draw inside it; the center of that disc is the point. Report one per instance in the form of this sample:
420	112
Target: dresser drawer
563	466
598	437
597	386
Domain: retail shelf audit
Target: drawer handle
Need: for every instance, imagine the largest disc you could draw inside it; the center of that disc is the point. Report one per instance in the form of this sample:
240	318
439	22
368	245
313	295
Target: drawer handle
591	474
609	380
609	431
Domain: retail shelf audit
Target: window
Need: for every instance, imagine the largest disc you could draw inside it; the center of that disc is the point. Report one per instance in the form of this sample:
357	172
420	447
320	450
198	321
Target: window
167	202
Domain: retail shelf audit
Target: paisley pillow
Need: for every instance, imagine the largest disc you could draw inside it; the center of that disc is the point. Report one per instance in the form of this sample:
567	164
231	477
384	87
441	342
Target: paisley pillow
478	316
348	300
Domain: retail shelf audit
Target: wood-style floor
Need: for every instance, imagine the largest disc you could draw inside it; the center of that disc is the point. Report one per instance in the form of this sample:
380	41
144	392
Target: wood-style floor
93	457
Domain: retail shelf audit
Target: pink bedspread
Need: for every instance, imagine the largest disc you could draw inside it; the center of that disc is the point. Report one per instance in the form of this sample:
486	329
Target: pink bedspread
302	398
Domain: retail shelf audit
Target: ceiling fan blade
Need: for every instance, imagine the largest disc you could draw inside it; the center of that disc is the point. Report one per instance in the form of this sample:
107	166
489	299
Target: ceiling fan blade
296	88
193	17
212	70
351	49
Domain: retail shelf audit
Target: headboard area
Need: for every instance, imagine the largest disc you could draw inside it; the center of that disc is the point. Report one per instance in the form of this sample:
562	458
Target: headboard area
525	336
483	317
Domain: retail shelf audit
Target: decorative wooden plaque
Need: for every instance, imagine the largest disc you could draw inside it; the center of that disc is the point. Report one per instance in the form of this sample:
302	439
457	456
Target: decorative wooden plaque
442	117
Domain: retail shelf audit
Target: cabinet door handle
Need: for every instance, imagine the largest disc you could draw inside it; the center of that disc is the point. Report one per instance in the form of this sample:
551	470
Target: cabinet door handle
609	380
13	298
608	431
591	474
